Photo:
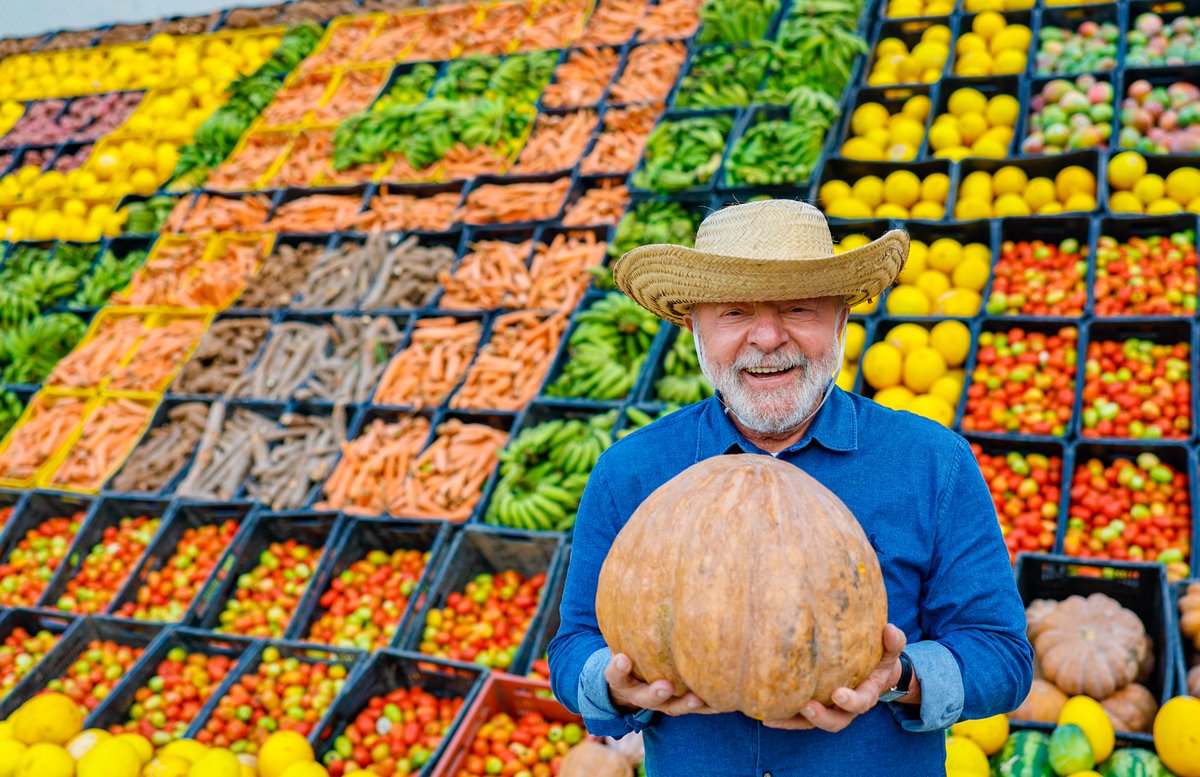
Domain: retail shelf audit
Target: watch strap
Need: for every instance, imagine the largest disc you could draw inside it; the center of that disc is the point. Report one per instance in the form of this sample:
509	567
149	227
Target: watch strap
901	688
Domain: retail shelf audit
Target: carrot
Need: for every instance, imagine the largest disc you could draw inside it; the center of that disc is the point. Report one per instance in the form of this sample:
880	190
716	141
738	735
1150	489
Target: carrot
220	280
213	213
425	372
492	275
355	92
403	172
557	142
603	204
374	466
444	30
495	203
88	365
554	25
242	170
582	78
620	145
155	281
107	437
446	480
397	32
671	20
312	152
511	367
159	356
315	213
398	212
650	72
343	43
499	28
613	23
33	442
461	162
559	272
293	103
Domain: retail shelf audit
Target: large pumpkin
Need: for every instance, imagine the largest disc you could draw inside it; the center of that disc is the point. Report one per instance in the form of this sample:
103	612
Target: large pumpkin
1091	646
1132	708
1189	614
747	582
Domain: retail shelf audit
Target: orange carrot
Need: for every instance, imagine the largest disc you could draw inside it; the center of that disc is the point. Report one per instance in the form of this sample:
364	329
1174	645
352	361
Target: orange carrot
492	275
315	213
32	443
582	78
343	43
226	214
502	24
511	367
444	30
650	72
613	23
446	480
559	271
425	372
554	26
603	204
311	153
405	211
159	356
620	145
671	20
155	281
88	365
495	203
292	103
557	142
461	162
397	32
242	170
374	466
107	436
355	92
220	280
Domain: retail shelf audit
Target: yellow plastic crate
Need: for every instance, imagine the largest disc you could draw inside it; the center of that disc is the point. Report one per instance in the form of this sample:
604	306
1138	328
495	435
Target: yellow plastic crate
43	400
51	475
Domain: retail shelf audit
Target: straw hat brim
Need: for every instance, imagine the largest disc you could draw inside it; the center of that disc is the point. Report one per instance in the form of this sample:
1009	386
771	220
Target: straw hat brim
669	279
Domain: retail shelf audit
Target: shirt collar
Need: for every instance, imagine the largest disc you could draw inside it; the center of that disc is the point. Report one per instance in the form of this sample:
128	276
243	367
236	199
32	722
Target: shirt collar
835	428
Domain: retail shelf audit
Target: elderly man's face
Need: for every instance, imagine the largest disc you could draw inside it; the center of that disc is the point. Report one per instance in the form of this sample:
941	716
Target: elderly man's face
771	361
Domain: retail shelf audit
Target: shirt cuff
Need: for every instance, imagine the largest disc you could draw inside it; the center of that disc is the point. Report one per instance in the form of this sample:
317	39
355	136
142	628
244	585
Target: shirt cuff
941	689
594	701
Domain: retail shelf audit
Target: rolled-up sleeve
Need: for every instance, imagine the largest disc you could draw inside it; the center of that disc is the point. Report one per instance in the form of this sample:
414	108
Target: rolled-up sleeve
970	607
941	689
578	654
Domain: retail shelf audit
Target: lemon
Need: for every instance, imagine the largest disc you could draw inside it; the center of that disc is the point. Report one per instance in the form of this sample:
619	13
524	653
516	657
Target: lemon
47	717
971	273
933	407
951	339
1125	169
908	301
890	211
851	242
944	254
989	733
1050	209
908	337
949	388
45	760
901	188
917	262
1014	37
833	190
1127	202
1149	188
848	208
977	63
987	24
862	149
10	755
894	397
6	730
1009	179
282	749
866	307
868	190
856	336
882	365
82	743
966	100
906	131
110	758
1163	206
954	153
935	187
972	208
971	127
928	210
188	749
964	755
976	185
1002	110
1038	192
217	762
1087	713
305	770
1081	201
889	46
960	303
931	55
846	378
944	135
922	367
868	116
938	32
140	745
916	107
1074	180
1183	184
1011	205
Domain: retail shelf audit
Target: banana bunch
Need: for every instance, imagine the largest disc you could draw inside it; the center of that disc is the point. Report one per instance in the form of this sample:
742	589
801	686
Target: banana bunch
544	470
607	348
777	152
410	88
31	349
10	411
724	78
684	153
466	77
31	281
682	382
654	221
522	77
817	47
736	21
111	275
637	419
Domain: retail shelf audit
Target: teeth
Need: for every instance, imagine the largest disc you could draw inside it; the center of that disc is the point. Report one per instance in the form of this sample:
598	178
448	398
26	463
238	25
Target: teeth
766	370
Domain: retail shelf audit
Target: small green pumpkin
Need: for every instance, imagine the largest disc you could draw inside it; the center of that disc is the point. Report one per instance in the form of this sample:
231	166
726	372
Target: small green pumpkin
1070	751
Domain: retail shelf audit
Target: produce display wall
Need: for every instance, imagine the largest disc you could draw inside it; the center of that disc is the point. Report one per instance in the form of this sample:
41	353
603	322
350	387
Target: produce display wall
309	286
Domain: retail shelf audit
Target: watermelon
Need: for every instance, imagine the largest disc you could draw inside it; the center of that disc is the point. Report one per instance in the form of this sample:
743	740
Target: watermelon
1133	762
1025	754
1070	751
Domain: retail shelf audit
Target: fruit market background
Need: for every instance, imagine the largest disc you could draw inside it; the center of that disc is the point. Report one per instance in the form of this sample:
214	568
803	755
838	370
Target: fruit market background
308	345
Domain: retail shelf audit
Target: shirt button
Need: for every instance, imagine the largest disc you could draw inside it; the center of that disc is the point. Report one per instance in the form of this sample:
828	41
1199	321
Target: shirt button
766	774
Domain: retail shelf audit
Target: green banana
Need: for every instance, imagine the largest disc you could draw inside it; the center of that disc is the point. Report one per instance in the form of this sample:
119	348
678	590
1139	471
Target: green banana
654	221
780	151
30	349
736	21
683	153
724	77
607	347
110	275
10	410
682	382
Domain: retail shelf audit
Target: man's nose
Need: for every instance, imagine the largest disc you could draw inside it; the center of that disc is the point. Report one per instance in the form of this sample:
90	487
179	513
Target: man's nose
767	332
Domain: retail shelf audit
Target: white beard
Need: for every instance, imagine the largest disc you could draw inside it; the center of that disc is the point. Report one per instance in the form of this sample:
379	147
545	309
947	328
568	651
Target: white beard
773	411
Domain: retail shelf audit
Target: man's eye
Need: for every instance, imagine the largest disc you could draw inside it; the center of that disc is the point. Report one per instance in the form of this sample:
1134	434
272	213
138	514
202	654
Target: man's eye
731	313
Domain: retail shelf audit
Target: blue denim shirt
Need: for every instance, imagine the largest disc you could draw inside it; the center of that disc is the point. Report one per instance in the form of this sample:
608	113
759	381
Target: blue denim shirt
917	491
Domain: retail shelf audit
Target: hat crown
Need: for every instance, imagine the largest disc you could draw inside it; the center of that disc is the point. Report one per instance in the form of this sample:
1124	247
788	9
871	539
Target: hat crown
784	230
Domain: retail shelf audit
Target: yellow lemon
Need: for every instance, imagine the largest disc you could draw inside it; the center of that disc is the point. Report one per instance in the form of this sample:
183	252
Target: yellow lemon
1074	180
989	733
902	188
45	760
1009	179
972	126
1081	201
976	185
960	303
1050	209
949	388
6	730
908	337
1125	169
916	107
989	148
10	756
882	365
848	208
907	301
868	116
935	187
969	43
894	397
217	762
889	210
851	242
281	750
933	407
846	377
862	149
1011	205
140	745
900	152
188	749
1177	735
1087	713
1183	184
48	717
889	46
972	208
966	100
944	254
833	190
869	190
906	131
965	755
856	336
110	758
1127	202
976	63
943	135
866	307
1038	192
1014	37
918	254
987	24
1002	110
82	743
144	181
938	33
928	210
922	367
977	251
1009	62
931	55
971	273
105	165
305	770
952	339
1163	206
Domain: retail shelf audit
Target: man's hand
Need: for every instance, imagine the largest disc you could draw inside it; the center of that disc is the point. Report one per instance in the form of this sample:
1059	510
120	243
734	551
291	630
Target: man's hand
630	694
850	703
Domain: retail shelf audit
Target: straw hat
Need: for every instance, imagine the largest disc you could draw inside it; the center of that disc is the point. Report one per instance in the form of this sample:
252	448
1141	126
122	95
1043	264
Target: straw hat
756	252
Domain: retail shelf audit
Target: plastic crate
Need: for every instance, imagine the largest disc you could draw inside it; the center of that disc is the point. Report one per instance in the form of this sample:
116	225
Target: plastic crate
1168	10
482	181
966	233
1156	164
884	327
890	97
359	537
471	236
114	710
618	52
505	693
388	670
182	516
107	512
647	391
989	87
1187	656
963	21
851	170
551	620
319	530
1069	19
33	622
1033	89
674	117
1124	228
1037	167
93	628
908	31
485	550
1141	588
37	508
1052	230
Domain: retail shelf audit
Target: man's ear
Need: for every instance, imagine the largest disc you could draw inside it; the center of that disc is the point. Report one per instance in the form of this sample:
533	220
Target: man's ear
689	324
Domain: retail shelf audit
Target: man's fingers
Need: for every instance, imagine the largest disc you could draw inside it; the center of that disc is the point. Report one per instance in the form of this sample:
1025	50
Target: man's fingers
619	671
790	724
858	700
894	642
827	719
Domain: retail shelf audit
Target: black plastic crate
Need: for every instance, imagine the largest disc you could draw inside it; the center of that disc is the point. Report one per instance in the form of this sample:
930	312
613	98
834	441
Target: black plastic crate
138	636
185	515
1123	229
33	622
1041	167
1052	230
909	32
551	618
472	236
648	391
35	510
359	537
851	170
893	99
989	87
388	670
963	23
1141	588
114	711
485	550
966	233
1070	19
1168	10
108	512
318	530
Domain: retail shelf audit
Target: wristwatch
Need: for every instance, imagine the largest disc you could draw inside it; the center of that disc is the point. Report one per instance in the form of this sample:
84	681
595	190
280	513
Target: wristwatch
900	689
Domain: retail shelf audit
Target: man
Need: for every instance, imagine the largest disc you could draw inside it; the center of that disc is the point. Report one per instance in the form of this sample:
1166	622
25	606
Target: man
768	302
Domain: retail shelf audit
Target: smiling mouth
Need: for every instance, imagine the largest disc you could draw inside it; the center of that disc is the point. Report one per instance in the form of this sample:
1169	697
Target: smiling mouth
765	371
